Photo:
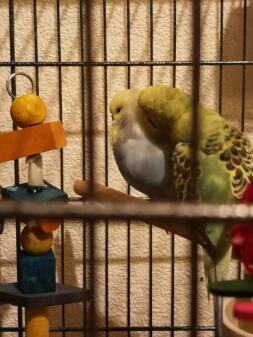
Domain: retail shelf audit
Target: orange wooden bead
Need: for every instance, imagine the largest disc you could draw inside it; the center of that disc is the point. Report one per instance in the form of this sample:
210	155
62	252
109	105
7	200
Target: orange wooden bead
28	110
49	225
35	242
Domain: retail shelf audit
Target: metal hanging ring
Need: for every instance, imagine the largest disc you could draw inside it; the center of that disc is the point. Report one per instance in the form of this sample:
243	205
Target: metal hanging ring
8	82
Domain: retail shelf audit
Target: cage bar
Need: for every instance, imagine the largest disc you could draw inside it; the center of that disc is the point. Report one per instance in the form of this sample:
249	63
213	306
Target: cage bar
196	45
16	162
106	149
128	210
82	74
91	149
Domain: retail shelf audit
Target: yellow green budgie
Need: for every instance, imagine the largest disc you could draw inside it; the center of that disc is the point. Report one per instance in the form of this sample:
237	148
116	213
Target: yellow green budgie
151	136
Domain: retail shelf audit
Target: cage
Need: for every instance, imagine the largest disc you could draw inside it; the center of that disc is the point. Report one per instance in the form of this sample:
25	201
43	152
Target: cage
144	282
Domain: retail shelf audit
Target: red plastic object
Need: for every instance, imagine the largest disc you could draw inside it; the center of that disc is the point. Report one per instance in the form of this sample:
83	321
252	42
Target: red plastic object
242	235
242	240
244	311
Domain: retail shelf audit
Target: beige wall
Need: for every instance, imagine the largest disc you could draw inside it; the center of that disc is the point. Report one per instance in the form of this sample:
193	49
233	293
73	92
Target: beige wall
117	79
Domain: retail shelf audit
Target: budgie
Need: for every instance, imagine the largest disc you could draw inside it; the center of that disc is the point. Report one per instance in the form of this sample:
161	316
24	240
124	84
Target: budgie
151	136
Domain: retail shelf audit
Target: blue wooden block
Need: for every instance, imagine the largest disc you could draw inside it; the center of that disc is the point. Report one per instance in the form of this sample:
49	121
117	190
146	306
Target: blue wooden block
36	274
21	192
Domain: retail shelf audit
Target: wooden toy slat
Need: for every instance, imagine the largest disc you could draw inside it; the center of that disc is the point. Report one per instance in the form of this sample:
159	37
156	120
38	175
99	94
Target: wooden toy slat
35	139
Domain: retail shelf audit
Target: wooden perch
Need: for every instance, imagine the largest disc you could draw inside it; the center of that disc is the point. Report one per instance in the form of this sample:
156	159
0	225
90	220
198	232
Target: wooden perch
105	194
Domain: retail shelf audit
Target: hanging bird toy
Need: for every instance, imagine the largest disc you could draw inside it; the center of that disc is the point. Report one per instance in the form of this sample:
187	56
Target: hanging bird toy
36	288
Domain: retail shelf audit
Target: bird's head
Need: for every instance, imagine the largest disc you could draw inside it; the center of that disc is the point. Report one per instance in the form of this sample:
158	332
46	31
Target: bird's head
164	114
124	104
123	109
128	116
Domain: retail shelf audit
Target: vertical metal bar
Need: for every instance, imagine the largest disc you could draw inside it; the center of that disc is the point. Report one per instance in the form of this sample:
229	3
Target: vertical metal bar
221	54
58	22
106	168
16	162
58	16
81	6
244	66
36	53
151	77
13	69
244	53
151	38
194	143
128	277
128	44
218	303
174	56
172	306
90	143
128	187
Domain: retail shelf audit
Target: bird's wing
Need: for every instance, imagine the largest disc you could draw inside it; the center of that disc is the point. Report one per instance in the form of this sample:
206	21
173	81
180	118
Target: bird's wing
225	153
213	187
224	170
232	149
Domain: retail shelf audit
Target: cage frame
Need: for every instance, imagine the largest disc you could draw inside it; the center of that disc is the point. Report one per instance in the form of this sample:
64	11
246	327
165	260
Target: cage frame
90	212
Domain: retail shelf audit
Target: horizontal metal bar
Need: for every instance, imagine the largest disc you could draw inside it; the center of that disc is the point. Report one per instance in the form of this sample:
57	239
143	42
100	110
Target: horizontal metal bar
92	210
122	63
75	199
114	329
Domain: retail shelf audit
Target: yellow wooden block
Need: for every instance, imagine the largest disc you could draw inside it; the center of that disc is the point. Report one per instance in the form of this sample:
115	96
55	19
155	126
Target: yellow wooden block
32	140
36	242
37	322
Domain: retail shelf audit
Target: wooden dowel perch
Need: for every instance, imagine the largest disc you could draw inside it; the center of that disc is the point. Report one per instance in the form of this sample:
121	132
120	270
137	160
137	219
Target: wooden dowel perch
106	194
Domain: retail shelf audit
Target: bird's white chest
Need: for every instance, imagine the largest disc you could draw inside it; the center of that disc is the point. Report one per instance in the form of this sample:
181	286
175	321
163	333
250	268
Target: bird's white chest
140	162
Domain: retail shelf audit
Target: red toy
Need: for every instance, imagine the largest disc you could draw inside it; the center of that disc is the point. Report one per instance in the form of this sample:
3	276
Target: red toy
244	311
242	236
242	240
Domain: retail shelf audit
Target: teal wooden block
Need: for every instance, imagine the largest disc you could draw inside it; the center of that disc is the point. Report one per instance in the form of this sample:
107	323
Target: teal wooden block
36	274
21	192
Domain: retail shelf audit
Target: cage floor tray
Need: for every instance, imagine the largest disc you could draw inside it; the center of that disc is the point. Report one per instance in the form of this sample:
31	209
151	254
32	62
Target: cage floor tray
64	294
232	288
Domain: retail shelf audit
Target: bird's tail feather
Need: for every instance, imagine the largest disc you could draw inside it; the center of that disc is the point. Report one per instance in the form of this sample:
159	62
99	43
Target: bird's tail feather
216	270
216	267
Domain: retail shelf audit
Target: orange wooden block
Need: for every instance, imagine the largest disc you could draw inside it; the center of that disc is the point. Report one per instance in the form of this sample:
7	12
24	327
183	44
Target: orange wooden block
32	140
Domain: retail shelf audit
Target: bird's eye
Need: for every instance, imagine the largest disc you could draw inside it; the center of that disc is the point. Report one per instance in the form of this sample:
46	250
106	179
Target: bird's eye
152	123
118	110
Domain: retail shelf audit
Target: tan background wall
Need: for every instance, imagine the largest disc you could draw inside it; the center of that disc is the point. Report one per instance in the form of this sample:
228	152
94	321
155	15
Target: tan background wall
117	79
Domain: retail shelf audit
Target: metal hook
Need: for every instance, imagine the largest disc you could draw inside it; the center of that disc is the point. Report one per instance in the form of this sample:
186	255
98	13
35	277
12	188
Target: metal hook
14	75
